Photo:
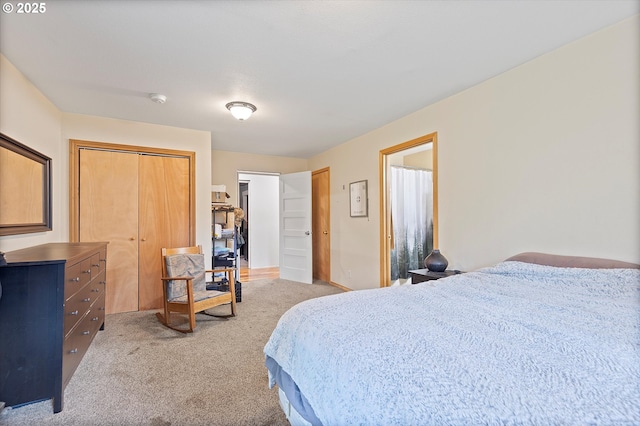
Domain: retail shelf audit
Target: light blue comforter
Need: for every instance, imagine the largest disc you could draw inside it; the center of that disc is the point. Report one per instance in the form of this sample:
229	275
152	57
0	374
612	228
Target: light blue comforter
515	343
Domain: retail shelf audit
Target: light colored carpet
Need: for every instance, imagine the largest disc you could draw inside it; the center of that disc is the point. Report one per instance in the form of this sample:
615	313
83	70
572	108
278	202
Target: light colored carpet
138	372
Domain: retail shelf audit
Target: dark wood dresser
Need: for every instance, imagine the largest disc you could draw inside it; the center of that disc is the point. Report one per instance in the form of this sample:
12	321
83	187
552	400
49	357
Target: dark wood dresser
52	306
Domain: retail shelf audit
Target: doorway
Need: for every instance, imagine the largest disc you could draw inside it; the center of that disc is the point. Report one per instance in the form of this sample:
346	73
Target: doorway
243	203
387	158
251	185
258	198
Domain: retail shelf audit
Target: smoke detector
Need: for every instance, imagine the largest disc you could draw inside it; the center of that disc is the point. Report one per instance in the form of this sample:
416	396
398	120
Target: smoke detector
158	98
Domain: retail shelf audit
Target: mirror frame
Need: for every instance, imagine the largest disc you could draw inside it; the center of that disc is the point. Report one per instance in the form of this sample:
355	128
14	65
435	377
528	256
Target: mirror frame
46	224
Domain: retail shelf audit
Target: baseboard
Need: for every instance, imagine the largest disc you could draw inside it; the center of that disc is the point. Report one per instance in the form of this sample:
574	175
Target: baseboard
341	287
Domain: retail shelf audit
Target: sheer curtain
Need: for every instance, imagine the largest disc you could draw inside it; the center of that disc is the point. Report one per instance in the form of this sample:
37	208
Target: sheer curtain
412	218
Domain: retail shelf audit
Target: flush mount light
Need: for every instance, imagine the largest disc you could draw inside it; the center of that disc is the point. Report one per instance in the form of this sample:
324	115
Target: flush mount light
158	98
241	110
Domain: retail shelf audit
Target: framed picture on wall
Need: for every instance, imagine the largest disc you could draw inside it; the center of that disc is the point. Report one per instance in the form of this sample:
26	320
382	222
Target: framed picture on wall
358	199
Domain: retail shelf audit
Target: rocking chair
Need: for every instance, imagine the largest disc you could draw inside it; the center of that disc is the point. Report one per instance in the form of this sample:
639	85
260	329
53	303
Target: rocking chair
184	287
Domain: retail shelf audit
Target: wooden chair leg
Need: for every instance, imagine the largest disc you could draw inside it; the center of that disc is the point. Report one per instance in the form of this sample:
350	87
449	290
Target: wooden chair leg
192	320
233	306
232	290
168	325
161	318
164	319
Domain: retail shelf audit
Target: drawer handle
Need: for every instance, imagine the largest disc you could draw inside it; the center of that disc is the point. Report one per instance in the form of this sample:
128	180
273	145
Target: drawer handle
94	319
75	280
103	282
86	333
88	271
103	260
73	351
95	290
101	308
97	265
88	299
73	313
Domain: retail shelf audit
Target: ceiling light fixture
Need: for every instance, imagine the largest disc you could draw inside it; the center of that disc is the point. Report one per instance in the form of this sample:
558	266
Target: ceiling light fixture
241	110
158	98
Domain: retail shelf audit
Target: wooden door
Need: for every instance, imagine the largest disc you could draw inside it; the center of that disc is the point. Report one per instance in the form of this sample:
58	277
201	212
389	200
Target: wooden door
133	198
164	203
321	225
108	212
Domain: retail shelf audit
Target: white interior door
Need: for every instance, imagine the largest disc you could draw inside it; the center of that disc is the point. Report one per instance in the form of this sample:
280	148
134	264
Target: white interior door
296	249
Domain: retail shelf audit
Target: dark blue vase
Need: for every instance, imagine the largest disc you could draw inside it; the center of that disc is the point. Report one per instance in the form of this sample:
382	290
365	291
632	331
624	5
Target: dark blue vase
436	262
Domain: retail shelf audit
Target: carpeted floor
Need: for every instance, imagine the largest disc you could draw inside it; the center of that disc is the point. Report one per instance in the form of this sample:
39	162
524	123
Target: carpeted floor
138	372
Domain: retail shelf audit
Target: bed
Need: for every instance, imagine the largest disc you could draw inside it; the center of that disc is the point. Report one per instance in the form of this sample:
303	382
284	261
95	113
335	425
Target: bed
536	339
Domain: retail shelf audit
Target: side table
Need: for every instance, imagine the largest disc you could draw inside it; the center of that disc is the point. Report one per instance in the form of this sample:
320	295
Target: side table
421	275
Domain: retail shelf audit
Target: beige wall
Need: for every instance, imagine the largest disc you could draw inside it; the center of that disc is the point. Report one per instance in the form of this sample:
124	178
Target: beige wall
100	129
30	118
27	116
225	166
545	157
420	160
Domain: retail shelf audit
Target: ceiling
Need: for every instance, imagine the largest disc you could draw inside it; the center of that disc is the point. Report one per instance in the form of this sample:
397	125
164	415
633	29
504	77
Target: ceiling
319	72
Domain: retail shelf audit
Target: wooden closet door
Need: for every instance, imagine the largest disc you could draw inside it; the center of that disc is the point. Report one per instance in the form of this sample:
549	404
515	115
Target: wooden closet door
320	198
109	212
164	218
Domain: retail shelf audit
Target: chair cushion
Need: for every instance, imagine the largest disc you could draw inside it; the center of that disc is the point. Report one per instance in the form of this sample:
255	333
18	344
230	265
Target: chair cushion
183	265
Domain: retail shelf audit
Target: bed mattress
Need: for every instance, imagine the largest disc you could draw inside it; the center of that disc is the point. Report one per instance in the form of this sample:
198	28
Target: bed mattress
516	343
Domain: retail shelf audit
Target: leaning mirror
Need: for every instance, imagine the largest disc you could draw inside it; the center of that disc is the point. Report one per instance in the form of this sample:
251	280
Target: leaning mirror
25	189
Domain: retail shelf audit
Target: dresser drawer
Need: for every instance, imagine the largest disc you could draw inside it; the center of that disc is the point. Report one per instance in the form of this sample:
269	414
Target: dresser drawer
78	341
98	284
79	303
97	265
76	276
98	291
76	307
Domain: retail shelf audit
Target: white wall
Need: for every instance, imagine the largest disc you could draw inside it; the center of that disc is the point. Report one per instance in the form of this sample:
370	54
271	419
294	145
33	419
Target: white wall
545	157
263	215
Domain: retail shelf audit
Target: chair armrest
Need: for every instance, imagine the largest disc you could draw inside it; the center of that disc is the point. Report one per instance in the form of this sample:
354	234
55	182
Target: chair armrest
176	278
222	270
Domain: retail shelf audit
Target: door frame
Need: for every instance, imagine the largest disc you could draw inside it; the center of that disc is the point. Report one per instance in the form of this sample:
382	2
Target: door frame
74	179
385	205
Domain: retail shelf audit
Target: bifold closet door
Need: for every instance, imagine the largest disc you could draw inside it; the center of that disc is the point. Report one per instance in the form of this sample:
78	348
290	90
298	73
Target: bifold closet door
164	219
138	203
109	212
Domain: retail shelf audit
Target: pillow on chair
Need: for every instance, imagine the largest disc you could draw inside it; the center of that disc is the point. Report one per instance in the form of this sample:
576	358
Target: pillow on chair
184	265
